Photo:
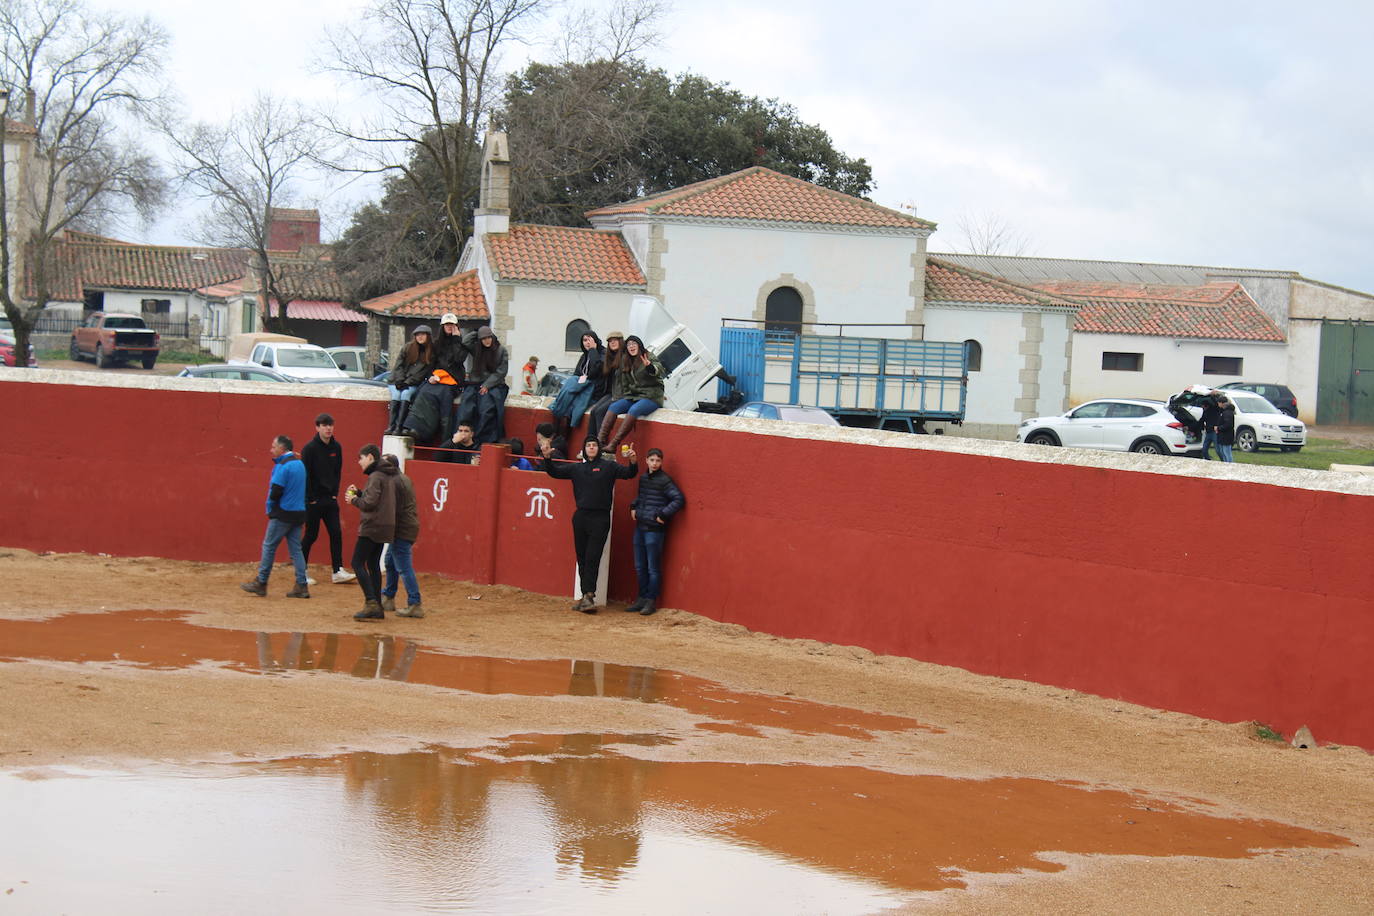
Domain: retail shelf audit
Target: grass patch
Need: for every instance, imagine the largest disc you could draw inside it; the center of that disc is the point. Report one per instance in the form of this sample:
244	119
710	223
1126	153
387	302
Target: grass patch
200	358
49	355
1266	733
1318	454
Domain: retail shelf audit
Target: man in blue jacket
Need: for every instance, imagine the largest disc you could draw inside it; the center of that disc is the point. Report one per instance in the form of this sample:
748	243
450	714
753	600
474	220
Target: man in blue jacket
658	500
285	515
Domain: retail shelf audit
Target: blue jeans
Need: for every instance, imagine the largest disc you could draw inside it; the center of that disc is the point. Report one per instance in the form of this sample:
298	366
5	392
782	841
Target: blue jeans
635	407
276	530
649	561
398	565
1209	439
398	395
1224	452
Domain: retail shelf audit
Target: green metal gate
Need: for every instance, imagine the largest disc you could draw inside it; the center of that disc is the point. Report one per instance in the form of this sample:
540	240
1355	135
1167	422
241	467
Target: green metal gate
1345	374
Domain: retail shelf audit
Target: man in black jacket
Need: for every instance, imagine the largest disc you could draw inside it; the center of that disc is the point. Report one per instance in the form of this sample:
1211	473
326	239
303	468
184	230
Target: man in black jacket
658	500
323	459
593	480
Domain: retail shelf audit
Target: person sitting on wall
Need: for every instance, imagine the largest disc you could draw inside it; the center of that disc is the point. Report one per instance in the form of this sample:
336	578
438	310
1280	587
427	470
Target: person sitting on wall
414	366
608	386
641	381
461	448
581	388
529	375
517	452
593	482
658	500
431	413
484	397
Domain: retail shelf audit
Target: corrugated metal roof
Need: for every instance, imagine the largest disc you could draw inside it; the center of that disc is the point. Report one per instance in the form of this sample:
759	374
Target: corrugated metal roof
1041	270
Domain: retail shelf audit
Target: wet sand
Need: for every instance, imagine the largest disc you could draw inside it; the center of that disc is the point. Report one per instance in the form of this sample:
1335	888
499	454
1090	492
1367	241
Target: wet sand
129	711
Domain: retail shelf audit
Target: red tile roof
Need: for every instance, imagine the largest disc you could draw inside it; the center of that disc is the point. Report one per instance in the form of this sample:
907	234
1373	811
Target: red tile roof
561	254
947	282
314	310
117	265
19	128
459	293
307	277
1218	310
762	194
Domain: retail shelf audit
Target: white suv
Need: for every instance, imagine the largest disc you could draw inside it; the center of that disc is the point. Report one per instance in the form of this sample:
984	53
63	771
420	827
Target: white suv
1260	423
1118	424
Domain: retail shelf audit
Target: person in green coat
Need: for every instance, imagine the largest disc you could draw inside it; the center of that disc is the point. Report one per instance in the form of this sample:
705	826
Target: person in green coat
641	384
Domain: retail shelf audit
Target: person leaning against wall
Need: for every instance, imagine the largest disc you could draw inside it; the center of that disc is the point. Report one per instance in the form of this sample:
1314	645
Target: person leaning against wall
593	479
285	515
658	500
376	526
400	568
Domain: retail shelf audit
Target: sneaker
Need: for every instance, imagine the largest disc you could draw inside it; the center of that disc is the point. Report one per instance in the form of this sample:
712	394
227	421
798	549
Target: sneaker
299	590
341	576
388	602
310	580
588	604
414	610
255	588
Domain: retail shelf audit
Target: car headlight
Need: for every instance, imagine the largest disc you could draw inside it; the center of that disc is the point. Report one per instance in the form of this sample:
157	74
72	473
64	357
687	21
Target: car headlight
1270	426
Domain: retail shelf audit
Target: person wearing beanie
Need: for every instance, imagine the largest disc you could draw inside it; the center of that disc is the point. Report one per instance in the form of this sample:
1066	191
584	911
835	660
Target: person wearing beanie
641	384
581	388
484	395
431	413
409	373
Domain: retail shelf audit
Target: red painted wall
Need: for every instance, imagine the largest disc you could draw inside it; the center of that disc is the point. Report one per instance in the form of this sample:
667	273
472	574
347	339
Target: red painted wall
1225	599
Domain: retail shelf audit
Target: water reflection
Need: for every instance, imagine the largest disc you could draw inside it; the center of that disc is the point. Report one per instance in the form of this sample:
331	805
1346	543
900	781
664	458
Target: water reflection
166	639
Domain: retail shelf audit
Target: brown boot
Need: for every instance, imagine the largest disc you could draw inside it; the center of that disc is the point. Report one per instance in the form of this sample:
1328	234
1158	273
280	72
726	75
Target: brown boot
299	590
372	610
627	423
562	428
607	424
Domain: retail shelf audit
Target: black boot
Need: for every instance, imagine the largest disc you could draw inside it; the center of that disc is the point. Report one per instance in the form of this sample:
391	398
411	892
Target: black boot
391	428
650	608
636	607
401	419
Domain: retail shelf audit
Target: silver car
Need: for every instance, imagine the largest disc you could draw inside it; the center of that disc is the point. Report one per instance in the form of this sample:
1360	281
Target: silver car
1117	424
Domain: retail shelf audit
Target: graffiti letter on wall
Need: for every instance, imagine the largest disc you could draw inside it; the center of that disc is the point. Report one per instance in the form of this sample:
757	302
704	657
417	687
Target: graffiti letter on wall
539	503
440	493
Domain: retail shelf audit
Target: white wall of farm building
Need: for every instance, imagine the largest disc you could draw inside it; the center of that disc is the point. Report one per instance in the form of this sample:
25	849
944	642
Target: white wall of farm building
993	389
541	315
715	272
1304	354
1168	365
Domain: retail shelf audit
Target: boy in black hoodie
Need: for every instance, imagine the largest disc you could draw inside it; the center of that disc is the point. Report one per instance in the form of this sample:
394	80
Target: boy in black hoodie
323	459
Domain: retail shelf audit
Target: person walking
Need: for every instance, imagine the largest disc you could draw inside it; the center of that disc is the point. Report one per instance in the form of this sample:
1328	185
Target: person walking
641	383
399	565
658	500
529	376
415	365
285	514
323	460
484	399
376	526
1210	412
1225	427
593	479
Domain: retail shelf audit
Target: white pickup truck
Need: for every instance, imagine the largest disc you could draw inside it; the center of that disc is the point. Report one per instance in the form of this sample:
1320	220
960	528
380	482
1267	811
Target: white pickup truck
291	356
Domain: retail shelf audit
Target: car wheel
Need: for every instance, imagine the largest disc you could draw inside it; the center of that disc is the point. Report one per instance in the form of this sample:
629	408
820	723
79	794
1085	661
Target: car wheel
101	360
74	352
1041	439
1149	447
1246	441
150	361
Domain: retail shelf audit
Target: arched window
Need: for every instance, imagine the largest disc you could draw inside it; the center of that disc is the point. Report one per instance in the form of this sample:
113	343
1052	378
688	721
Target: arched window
572	337
973	355
783	310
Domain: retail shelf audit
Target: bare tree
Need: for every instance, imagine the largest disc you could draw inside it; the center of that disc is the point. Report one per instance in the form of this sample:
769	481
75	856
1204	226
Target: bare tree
987	232
429	67
69	78
247	168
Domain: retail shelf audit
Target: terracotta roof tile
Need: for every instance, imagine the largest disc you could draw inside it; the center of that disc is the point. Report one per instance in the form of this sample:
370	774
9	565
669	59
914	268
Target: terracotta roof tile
19	128
1217	310
307	277
118	265
947	282
762	194
560	254
459	293
315	310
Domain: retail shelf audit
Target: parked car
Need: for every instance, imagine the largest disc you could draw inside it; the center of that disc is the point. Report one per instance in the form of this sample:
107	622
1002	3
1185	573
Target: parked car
351	359
1281	396
239	373
1141	425
7	346
366	382
107	337
1258	424
298	360
766	410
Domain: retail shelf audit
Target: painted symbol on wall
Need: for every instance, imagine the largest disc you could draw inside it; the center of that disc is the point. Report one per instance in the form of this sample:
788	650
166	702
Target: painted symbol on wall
440	493
539	503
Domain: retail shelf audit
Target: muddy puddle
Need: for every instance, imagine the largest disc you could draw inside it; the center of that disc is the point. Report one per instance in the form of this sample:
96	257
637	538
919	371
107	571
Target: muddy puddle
167	640
539	823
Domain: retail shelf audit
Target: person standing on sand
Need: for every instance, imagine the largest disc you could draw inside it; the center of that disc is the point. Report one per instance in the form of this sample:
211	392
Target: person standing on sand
323	460
399	565
285	514
658	500
593	480
376	526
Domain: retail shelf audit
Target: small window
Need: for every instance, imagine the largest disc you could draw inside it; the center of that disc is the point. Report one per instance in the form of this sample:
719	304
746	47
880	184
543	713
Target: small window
158	306
674	355
1123	362
1221	365
1130	411
572	337
973	356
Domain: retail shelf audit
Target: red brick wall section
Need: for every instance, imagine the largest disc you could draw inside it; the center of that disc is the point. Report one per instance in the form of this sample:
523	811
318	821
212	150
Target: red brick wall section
1226	599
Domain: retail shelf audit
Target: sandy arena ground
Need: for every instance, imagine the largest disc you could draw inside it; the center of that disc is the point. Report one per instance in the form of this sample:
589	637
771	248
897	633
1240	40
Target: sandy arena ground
63	713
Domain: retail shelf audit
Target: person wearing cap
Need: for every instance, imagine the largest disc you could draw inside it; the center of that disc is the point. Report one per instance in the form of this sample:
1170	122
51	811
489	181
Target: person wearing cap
608	386
529	375
484	396
411	370
431	413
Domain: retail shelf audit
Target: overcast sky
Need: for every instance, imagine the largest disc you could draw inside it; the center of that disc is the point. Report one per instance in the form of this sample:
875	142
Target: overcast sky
1234	134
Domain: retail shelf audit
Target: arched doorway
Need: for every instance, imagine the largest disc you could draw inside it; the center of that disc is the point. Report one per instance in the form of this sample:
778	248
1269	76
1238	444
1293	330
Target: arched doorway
783	310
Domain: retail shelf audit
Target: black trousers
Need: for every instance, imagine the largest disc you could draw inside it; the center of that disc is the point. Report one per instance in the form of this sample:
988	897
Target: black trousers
591	527
324	510
367	566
